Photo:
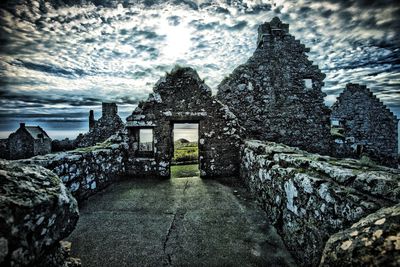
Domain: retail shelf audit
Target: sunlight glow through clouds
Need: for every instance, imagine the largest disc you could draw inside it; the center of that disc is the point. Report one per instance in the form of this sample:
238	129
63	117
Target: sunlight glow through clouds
77	55
178	41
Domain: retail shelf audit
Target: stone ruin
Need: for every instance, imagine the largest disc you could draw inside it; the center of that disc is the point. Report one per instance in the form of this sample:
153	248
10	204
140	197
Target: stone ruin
179	97
100	130
277	95
28	141
363	125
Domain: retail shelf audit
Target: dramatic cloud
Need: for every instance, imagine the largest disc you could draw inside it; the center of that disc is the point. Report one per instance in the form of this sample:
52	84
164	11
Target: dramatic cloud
66	57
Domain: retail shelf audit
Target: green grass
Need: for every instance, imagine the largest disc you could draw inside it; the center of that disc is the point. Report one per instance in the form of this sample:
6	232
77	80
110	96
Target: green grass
186	152
180	171
104	144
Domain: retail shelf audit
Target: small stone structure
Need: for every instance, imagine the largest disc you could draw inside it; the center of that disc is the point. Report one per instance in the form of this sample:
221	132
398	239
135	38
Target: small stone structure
36	213
181	97
28	141
277	95
363	125
109	124
309	197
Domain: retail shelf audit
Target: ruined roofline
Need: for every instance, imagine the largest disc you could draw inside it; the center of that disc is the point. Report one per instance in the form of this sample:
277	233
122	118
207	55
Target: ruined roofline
356	87
268	32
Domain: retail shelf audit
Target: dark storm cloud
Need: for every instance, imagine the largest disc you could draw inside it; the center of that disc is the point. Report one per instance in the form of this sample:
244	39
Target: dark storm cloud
79	53
239	26
364	4
50	69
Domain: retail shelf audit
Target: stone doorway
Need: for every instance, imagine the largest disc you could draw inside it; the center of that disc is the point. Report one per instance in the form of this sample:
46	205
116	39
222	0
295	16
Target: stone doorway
185	161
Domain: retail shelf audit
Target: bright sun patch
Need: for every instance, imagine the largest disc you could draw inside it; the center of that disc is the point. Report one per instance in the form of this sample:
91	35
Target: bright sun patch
177	41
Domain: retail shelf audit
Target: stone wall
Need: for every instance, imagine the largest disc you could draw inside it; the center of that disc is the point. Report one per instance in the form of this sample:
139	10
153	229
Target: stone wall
85	171
181	97
109	124
309	197
4	150
277	95
42	146
36	212
369	127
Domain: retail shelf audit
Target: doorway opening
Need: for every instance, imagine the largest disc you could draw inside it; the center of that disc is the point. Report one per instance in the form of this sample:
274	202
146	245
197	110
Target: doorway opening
185	158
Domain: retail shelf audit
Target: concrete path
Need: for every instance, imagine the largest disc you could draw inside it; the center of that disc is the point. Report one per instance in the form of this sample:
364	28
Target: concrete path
178	222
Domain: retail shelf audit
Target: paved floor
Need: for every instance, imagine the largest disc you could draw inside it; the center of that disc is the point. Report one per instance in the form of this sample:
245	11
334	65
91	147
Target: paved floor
180	222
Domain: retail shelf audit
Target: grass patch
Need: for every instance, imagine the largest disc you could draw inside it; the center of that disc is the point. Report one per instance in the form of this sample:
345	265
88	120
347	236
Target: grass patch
105	144
185	152
180	171
367	162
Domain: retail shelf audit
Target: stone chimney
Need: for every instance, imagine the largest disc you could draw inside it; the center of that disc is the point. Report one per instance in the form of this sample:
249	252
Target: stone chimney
22	125
91	120
271	31
109	110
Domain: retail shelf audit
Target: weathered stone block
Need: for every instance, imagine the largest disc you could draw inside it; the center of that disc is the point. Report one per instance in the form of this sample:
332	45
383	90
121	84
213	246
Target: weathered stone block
372	241
36	212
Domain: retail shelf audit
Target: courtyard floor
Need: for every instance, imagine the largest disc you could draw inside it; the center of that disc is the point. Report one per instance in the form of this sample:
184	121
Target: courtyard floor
179	222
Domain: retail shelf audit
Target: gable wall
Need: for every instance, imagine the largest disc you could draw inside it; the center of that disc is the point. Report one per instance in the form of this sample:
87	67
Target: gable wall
21	145
369	122
183	97
269	97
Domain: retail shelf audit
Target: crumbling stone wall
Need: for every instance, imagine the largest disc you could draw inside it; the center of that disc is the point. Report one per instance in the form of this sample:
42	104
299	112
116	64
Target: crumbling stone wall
85	171
109	124
369	127
309	197
277	95
182	96
36	212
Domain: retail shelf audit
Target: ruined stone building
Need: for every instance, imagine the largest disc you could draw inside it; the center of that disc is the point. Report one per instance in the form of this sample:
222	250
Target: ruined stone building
103	128
179	97
365	126
277	95
28	141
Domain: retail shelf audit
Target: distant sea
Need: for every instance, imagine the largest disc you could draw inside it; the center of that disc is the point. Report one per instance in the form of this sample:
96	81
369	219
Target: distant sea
66	127
56	130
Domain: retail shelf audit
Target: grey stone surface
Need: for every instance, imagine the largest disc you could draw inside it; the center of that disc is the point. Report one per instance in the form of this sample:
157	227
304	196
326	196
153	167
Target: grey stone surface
4	149
277	95
178	222
368	126
373	241
87	170
36	212
182	96
109	124
309	197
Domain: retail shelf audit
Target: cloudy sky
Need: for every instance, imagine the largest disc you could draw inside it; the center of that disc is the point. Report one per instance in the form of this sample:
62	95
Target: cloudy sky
58	59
